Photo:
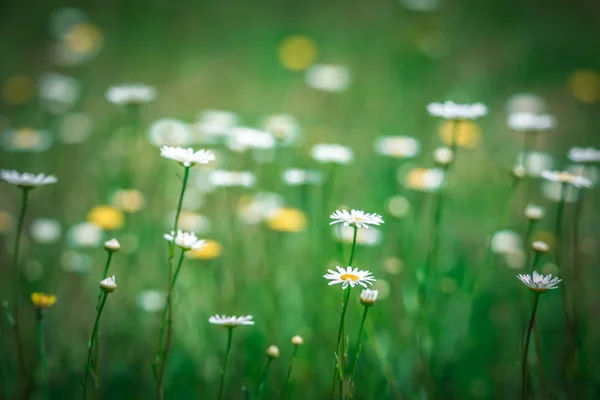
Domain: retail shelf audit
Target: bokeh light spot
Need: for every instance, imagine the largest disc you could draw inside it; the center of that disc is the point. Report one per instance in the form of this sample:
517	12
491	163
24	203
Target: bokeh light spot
212	249
18	89
106	217
287	220
585	85
468	133
297	52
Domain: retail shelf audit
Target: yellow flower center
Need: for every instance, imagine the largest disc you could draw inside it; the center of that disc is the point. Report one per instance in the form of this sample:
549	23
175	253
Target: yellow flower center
565	177
352	277
358	218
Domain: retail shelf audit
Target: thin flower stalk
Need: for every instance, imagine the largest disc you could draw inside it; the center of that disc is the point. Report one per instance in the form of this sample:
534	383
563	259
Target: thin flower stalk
263	378
43	359
289	373
536	334
357	350
96	344
224	371
91	343
536	300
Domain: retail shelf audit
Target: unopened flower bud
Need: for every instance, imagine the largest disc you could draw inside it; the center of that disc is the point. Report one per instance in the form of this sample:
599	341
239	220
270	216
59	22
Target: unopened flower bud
540	246
443	156
297	340
108	285
112	245
368	297
534	213
273	351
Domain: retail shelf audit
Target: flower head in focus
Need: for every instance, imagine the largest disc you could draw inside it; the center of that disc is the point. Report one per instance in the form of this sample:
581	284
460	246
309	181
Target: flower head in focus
567	177
187	157
539	283
355	218
109	284
130	94
185	240
530	122
453	111
26	180
332	153
232	321
368	297
349	277
42	300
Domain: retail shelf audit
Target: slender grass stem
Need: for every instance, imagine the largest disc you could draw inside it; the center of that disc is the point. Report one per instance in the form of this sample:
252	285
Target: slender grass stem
526	348
222	385
263	377
578	326
355	234
96	359
289	373
16	316
357	350
337	368
91	343
43	360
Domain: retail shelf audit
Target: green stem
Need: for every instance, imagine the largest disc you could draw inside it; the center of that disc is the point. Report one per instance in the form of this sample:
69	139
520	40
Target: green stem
42	350
91	343
357	350
526	349
353	246
17	271
161	335
289	373
338	363
177	269
263	377
527	241
97	342
229	336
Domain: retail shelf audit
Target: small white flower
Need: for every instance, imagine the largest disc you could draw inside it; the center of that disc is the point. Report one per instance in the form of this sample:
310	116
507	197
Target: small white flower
368	297
26	180
243	138
328	77
187	157
112	245
296	177
397	146
283	126
185	240
443	155
232	321
528	122
297	340
453	111
332	153
584	155
349	276
130	94
109	284
533	212
273	352
355	218
566	177
539	246
539	283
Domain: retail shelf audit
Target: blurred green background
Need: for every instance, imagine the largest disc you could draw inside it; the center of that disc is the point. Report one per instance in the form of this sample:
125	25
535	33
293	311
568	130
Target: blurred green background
268	252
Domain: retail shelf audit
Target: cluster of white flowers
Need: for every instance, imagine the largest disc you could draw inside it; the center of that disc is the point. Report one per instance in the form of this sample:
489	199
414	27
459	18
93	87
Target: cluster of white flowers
453	111
332	153
242	138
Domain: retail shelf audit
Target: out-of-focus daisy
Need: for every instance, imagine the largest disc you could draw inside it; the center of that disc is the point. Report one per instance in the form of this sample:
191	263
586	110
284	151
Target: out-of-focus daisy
214	124
283	126
187	157
231	321
535	162
505	241
128	200
169	132
85	234
349	277
397	146
355	218
566	177
443	156
45	230
151	300
74	128
106	217
398	206
243	138
466	134
582	155
26	180
530	122
539	283
211	249
328	77
558	191
58	92
368	297
454	111
332	153
296	177
254	209
426	179
135	93
26	140
533	212
525	102
286	220
364	237
42	300
185	240
189	221
224	178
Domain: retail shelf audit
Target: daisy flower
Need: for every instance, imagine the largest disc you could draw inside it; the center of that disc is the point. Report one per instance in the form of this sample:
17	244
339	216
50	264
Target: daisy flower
187	157
332	153
232	321
130	94
26	180
587	155
453	111
566	177
355	218
349	276
539	283
185	240
528	122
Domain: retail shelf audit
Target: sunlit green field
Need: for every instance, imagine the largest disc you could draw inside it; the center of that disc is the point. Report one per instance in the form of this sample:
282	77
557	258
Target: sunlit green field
262	86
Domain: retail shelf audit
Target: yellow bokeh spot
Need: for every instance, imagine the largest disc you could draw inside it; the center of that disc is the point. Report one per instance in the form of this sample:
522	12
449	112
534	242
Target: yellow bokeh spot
297	52
212	249
6	222
467	133
18	89
83	38
26	138
417	178
129	201
585	85
42	300
287	220
106	217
